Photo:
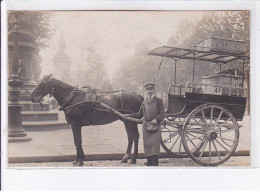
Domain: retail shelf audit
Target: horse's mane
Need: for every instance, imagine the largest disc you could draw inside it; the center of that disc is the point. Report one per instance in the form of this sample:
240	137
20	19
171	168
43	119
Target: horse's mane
61	84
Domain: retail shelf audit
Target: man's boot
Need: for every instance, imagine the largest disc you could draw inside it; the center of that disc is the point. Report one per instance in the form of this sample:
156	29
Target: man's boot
149	161
155	160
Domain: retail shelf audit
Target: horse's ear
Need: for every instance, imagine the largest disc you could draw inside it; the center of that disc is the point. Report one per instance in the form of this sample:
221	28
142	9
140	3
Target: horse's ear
48	77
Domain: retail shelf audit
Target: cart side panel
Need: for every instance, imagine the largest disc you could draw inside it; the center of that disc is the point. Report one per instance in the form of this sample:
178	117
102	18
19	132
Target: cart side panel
176	103
236	105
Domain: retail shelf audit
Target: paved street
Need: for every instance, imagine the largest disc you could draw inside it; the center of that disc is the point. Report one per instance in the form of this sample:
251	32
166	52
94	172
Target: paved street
104	142
241	161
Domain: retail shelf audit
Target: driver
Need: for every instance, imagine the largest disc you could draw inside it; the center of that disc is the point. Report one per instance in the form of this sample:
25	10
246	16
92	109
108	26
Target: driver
152	112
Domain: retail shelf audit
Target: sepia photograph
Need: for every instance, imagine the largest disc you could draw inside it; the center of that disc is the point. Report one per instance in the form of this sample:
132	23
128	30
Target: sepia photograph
128	89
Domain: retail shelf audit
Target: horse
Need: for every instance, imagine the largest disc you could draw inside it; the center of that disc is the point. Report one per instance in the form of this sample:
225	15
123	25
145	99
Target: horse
85	114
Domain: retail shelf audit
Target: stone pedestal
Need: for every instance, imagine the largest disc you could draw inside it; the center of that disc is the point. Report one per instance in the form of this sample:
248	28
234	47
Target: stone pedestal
22	113
16	133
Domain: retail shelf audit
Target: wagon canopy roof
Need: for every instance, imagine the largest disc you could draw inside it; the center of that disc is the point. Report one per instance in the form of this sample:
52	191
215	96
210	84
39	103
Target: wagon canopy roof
200	55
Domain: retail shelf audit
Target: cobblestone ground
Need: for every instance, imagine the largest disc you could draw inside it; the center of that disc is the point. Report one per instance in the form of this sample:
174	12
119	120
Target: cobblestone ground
242	161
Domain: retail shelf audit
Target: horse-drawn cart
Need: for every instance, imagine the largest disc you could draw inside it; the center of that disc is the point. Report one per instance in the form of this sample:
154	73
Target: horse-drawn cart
201	118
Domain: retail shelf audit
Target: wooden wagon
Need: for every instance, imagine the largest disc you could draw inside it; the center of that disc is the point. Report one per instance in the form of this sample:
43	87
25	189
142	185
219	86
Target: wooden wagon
202	118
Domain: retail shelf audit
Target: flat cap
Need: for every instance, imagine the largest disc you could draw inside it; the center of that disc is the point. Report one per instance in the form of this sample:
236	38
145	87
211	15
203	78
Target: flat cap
149	85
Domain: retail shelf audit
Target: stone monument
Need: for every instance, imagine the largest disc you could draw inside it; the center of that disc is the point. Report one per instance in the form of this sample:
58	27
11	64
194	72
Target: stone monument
16	132
62	62
34	117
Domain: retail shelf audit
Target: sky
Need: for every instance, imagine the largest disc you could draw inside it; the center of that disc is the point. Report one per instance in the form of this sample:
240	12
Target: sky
113	34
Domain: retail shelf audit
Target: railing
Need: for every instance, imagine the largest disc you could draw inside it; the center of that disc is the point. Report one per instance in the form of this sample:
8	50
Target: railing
177	90
215	89
207	89
221	45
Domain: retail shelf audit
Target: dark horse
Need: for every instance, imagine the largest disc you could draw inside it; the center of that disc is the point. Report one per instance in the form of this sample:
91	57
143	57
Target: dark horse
88	114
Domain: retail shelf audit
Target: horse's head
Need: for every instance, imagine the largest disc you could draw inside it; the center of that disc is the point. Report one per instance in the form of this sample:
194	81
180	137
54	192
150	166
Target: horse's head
42	88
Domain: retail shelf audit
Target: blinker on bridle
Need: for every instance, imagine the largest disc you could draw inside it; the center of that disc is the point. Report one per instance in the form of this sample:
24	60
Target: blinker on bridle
39	99
51	93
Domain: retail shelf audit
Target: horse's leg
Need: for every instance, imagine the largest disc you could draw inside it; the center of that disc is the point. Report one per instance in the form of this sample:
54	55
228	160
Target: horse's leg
136	136
130	143
78	143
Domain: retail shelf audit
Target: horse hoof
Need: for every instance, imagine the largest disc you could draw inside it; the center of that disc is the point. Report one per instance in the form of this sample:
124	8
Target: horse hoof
124	160
132	161
79	164
75	162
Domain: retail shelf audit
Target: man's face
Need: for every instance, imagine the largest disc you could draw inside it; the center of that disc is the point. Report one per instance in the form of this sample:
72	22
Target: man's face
150	91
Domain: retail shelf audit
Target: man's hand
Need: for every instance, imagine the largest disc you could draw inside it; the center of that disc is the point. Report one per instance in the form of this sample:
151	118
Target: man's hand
154	121
127	115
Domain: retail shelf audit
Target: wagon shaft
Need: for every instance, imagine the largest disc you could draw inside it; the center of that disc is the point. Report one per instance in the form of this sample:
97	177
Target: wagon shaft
106	108
194	123
139	121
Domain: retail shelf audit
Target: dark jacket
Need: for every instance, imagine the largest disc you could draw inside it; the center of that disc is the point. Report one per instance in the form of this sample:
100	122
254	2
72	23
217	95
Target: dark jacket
159	115
150	110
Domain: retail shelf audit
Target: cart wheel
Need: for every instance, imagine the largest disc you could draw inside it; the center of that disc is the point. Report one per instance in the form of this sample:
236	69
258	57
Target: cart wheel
171	138
210	134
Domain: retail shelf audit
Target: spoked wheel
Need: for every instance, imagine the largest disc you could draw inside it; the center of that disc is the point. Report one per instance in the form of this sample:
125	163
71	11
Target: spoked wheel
171	138
210	134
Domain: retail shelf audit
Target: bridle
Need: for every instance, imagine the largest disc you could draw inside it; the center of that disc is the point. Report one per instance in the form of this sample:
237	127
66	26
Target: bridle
40	97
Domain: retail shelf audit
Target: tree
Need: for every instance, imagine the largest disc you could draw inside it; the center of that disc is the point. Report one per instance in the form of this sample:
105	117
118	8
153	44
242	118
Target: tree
183	34
139	68
227	25
93	71
38	22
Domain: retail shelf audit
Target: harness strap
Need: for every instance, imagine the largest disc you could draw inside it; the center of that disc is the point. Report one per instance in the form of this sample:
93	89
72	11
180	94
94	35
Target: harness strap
90	94
69	99
121	99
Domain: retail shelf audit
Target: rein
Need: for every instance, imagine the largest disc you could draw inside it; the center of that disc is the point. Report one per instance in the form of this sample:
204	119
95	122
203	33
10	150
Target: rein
52	92
41	95
62	93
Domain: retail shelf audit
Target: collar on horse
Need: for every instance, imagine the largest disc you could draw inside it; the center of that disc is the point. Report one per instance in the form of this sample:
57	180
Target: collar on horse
90	94
69	98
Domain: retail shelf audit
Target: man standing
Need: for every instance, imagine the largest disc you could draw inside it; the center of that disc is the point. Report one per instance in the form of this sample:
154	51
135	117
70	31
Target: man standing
152	112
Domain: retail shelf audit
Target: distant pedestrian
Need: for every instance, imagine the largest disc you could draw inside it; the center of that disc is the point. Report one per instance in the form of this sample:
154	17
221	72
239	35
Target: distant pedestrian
152	112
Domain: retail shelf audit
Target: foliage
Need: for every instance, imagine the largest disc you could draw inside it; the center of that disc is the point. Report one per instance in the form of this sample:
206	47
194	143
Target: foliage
93	72
138	69
38	23
228	25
